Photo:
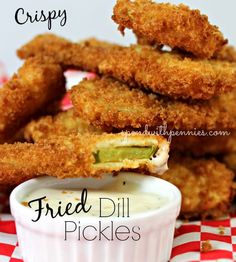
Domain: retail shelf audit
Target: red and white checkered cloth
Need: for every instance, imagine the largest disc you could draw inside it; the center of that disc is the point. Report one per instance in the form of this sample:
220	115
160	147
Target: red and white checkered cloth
188	238
186	247
9	249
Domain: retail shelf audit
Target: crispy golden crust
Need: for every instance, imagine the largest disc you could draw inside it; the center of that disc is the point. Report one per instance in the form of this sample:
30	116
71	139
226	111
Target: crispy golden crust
94	42
62	157
166	24
141	40
166	73
228	53
37	83
170	74
204	145
206	186
64	123
230	161
85	56
107	103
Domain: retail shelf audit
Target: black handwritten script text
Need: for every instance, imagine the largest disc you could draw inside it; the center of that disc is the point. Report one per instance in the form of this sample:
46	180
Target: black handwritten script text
69	210
98	230
23	17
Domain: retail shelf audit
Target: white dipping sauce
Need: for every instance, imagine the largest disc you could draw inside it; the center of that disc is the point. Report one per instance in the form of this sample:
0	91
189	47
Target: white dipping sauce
127	194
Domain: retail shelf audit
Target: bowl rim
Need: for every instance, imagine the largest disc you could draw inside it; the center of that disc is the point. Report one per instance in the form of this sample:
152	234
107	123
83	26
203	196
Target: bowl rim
174	203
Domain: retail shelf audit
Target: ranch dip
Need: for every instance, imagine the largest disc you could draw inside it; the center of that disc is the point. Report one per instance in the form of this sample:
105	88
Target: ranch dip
117	199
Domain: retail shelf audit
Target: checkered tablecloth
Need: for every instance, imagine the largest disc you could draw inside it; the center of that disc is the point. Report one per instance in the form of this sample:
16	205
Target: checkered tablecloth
189	237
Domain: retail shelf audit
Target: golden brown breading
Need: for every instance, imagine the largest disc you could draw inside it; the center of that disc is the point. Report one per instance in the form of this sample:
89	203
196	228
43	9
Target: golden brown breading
107	103
74	156
165	73
230	161
38	82
84	56
228	53
203	145
99	43
206	186
170	74
50	110
141	40
167	24
64	123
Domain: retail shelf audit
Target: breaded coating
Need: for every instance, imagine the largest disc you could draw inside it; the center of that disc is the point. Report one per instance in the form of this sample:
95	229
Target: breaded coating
106	103
205	145
94	42
167	24
170	74
230	161
84	56
38	83
62	124
206	186
141	40
75	156
166	73
228	53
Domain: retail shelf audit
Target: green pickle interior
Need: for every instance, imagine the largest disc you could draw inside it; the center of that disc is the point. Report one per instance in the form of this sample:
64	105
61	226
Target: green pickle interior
118	154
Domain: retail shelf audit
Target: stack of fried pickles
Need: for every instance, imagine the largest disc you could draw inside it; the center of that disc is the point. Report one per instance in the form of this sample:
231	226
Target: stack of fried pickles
181	74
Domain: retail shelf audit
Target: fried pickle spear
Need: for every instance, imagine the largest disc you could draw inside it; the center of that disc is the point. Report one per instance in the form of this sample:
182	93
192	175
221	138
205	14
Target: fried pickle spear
206	186
167	24
164	73
170	74
107	103
205	145
227	53
38	83
62	124
84	56
82	155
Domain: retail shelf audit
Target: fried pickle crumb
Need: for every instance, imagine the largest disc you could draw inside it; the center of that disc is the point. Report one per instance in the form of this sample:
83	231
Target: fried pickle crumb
221	230
206	246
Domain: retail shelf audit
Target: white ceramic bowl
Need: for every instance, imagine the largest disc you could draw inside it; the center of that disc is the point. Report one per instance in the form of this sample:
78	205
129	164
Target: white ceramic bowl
43	241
